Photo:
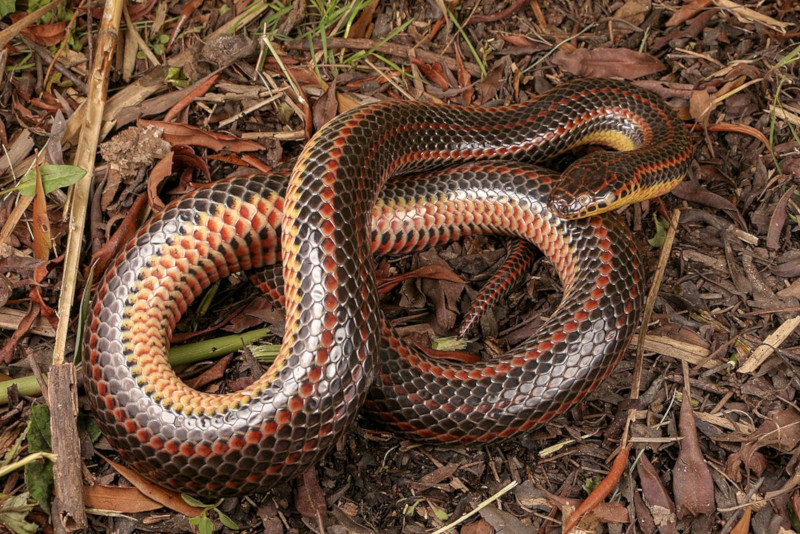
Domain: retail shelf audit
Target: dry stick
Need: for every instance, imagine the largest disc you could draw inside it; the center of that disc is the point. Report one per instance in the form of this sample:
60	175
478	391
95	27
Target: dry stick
68	507
666	249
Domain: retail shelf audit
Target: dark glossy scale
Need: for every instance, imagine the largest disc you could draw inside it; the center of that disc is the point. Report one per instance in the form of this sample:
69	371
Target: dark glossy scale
252	439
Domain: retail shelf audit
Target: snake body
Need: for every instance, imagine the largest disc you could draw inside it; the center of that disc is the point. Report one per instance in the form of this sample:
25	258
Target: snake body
325	226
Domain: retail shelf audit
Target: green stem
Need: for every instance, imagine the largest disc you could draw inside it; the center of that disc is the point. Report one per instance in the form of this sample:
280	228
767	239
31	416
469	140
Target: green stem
183	355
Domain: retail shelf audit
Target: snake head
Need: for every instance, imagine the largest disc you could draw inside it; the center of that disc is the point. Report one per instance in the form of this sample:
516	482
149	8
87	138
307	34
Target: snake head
580	195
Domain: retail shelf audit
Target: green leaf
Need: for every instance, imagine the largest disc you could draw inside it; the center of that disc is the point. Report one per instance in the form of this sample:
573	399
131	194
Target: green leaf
39	475
177	77
440	514
40	482
662	225
92	427
449	343
53	177
203	524
39	429
7	7
191	501
227	521
13	511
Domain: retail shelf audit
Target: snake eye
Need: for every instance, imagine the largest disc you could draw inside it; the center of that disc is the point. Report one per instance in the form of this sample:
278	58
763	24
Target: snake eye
585	199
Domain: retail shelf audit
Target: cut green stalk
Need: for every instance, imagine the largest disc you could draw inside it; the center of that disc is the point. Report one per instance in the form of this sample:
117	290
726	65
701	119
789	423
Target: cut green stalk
183	355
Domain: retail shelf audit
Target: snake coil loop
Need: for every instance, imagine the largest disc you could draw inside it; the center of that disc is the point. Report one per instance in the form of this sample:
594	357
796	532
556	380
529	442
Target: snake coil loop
336	343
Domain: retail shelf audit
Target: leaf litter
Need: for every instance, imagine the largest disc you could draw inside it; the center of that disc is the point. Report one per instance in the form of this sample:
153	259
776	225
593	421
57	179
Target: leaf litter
724	322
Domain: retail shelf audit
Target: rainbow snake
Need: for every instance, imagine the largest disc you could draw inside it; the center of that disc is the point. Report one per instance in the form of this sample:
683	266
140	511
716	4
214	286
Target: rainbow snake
339	356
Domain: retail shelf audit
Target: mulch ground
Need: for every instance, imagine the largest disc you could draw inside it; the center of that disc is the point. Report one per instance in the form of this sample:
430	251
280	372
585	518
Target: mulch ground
203	90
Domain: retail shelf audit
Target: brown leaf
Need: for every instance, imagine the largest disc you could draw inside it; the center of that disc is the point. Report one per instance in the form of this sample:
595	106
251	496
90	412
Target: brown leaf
686	11
41	223
46	34
777	220
118	499
656	496
464	79
786	269
434	477
161	171
183	134
694	191
644	519
634	11
489	86
743	525
127	228
362	27
781	431
195	92
433	272
433	72
478	527
443	295
692	484
503	521
309	499
10	344
212	374
325	107
701	104
742	129
5	290
605	62
170	499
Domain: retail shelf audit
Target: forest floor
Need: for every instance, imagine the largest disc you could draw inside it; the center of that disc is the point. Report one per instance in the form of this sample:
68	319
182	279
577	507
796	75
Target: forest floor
199	91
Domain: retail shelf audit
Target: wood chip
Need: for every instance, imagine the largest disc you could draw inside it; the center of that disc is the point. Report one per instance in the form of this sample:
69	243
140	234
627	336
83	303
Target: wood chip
768	346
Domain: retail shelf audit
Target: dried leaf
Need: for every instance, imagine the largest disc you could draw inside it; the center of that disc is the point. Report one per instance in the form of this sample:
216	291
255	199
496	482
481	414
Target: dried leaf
503	521
46	34
309	499
692	484
656	496
606	62
701	104
124	232
481	526
183	134
489	86
433	72
161	171
42	240
434	477
170	499
362	27
776	222
686	11
787	269
325	107
433	272
743	525
694	191
781	431
634	11
118	499
747	15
